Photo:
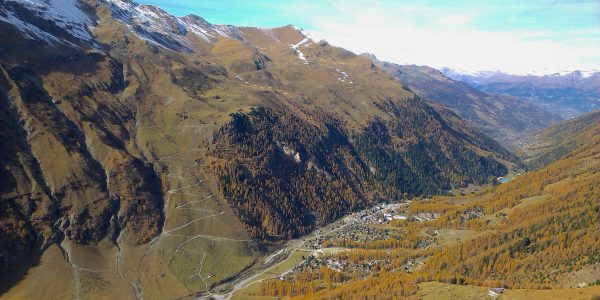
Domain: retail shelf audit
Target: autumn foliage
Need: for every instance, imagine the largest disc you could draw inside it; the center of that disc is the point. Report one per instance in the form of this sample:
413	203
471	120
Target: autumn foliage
531	232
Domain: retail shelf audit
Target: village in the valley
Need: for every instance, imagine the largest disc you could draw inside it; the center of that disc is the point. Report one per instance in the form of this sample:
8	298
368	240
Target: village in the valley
367	225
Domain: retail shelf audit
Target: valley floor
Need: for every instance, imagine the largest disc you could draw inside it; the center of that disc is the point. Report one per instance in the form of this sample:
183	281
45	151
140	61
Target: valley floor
534	237
294	256
400	238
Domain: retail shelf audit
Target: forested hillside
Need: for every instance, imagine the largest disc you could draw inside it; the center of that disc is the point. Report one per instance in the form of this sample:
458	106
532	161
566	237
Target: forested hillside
539	231
143	147
283	175
553	143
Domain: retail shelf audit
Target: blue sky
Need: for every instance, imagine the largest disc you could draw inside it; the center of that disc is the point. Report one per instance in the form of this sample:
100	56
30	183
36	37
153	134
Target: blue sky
514	36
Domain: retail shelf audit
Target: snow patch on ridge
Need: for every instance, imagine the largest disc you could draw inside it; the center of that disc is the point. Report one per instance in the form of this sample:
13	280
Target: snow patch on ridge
201	32
29	31
150	23
65	14
300	54
343	77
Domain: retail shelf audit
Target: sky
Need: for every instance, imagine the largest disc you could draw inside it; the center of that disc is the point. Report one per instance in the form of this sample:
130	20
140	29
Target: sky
518	37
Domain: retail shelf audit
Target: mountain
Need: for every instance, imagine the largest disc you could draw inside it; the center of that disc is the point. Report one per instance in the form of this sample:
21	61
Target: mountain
558	141
505	118
534	237
152	156
568	94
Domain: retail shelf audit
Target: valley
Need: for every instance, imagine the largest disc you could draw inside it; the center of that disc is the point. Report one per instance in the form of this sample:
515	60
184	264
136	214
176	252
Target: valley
150	156
568	94
506	118
131	156
292	255
457	240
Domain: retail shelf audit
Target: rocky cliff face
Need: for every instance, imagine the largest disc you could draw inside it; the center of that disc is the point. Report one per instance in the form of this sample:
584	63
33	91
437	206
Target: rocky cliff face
117	117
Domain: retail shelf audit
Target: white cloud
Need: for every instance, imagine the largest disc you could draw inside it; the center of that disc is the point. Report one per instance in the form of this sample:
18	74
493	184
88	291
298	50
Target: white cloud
424	35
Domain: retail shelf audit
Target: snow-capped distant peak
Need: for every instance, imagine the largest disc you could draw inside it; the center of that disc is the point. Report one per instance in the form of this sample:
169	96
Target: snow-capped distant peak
589	73
545	72
536	73
464	72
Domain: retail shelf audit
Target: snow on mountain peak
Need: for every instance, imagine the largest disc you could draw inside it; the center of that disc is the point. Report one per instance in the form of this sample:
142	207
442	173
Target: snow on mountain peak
589	73
536	73
148	22
66	15
156	26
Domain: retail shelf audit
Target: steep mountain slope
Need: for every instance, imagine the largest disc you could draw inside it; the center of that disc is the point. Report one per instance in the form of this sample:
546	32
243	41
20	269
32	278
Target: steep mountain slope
537	236
568	95
503	117
558	141
145	154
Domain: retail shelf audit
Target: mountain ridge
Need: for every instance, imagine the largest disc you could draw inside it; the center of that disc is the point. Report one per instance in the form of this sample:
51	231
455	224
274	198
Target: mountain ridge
568	95
503	117
557	141
481	73
132	152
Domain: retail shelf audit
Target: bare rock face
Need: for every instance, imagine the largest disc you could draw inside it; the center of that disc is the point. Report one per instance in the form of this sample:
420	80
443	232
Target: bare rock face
260	60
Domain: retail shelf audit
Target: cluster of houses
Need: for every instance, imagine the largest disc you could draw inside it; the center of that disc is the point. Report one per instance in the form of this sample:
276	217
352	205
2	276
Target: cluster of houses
385	213
359	227
381	214
360	233
316	260
426	216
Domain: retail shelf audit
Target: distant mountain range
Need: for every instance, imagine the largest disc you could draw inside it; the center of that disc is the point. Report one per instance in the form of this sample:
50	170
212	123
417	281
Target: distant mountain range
506	118
568	94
